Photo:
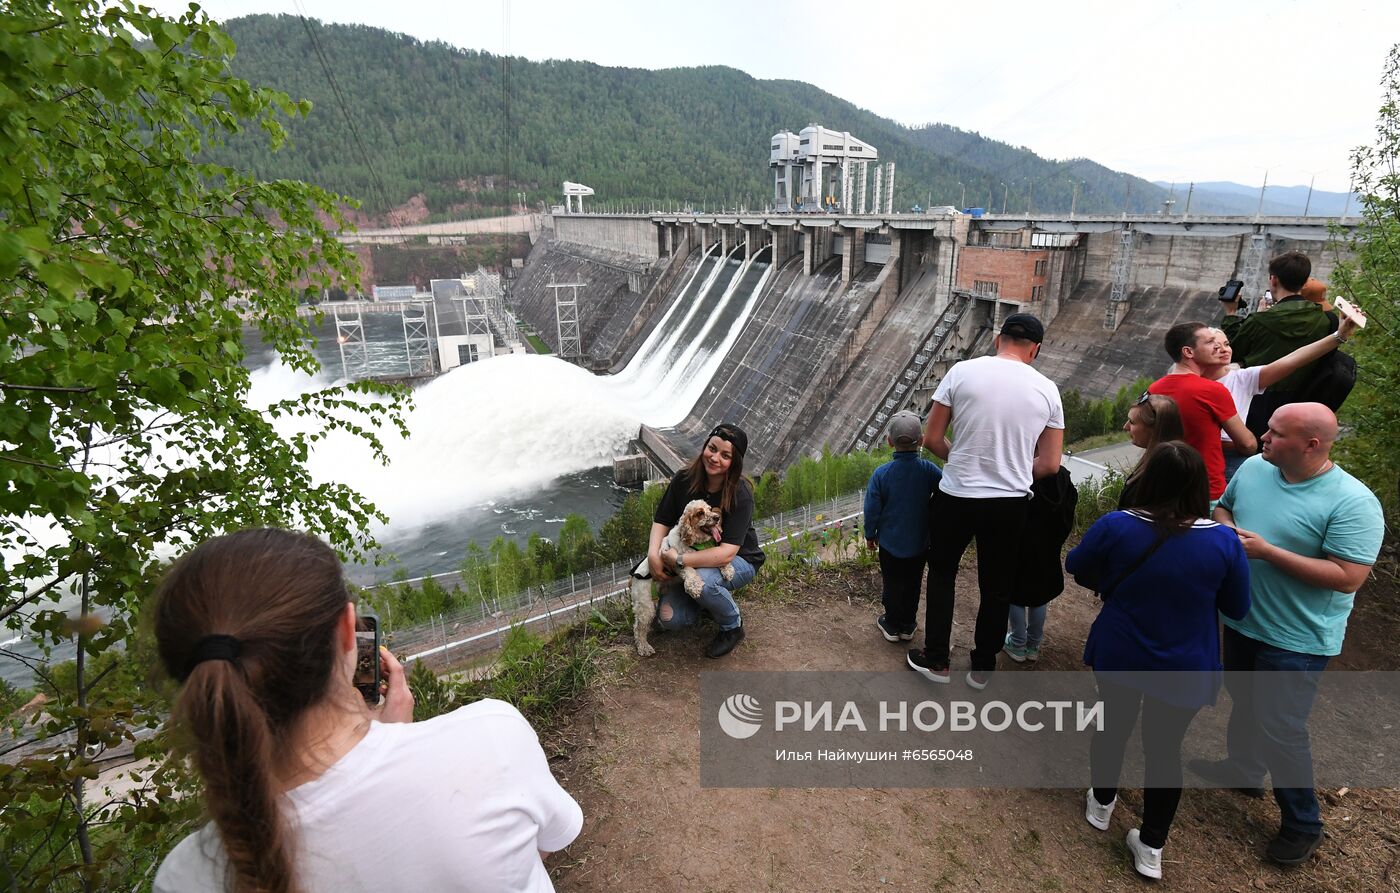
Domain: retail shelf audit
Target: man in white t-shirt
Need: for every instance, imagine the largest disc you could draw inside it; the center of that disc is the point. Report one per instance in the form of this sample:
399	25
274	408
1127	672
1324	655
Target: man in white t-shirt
1008	427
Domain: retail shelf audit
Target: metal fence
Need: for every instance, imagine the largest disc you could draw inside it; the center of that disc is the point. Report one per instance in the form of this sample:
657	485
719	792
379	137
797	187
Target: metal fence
482	628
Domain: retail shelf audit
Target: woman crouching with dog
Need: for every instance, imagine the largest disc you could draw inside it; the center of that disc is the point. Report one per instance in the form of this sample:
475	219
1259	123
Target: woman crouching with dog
716	476
308	787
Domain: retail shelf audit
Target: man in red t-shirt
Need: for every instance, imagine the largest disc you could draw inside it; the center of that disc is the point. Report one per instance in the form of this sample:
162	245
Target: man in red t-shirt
1206	407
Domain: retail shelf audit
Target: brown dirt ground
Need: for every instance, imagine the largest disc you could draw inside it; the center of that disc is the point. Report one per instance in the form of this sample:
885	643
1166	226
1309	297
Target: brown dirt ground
630	754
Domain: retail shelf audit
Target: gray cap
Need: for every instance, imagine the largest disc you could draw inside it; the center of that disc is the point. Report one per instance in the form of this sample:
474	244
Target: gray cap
906	430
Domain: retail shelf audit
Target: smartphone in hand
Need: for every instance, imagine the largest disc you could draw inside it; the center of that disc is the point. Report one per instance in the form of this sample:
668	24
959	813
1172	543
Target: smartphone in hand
367	671
1351	312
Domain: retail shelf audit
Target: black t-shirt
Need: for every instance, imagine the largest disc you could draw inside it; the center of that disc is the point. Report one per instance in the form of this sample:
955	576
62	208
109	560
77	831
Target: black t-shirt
737	522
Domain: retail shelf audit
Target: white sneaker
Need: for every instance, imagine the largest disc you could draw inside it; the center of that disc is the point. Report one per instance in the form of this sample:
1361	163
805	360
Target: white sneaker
1147	860
1097	814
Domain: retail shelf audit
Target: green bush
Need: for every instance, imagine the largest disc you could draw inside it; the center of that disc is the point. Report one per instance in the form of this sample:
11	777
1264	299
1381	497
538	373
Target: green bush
1090	418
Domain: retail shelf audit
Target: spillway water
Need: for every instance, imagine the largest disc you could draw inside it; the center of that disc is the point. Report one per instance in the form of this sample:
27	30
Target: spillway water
511	445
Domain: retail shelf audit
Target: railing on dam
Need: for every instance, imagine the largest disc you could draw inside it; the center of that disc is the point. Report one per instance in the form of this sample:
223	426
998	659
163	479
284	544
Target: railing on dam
481	629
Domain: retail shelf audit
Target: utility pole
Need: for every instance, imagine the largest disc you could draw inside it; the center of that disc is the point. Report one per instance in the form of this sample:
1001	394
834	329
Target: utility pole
1260	210
1073	197
1308	204
1189	191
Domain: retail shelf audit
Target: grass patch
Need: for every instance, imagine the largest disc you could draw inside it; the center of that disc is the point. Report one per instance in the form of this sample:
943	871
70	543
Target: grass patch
536	343
542	677
1098	440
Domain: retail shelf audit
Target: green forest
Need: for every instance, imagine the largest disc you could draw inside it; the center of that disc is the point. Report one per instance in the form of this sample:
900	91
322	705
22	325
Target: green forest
395	117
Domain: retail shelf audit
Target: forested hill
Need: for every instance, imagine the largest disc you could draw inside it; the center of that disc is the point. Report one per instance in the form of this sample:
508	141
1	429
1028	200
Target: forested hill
468	132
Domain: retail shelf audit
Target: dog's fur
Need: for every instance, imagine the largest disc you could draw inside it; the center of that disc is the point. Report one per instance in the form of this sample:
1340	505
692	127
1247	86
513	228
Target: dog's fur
694	526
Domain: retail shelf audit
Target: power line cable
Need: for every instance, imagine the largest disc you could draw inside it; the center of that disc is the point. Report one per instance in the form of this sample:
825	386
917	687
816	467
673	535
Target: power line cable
349	120
505	94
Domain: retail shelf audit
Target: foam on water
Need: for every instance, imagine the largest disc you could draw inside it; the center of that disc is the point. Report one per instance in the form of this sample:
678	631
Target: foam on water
516	422
507	425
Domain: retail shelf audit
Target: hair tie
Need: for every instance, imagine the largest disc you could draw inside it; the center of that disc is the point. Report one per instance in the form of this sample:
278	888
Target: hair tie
215	647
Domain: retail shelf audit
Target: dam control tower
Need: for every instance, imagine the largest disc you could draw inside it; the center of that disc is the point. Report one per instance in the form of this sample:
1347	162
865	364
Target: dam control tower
827	170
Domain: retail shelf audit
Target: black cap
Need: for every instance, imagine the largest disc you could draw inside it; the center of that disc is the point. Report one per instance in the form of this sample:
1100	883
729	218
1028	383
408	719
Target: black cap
734	434
1024	326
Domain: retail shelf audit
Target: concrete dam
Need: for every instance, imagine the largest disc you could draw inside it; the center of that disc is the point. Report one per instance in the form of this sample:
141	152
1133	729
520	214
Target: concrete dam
811	330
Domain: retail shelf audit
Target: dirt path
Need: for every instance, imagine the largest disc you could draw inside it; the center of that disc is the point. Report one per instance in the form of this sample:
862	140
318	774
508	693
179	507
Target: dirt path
631	756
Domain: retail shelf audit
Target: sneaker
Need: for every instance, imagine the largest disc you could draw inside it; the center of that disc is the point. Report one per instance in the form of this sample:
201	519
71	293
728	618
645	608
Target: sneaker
1147	860
1032	653
1222	773
920	665
1013	651
1096	813
1293	847
725	641
978	679
903	635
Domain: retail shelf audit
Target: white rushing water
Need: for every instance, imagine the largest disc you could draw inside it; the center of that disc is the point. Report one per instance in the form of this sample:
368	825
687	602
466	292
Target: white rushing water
514	423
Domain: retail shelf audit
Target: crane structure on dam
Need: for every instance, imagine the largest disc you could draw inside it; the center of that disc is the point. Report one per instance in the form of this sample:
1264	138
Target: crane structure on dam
566	318
828	170
574	191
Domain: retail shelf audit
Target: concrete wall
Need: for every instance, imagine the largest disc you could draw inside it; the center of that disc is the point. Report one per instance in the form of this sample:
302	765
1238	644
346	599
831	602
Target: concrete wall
628	235
1190	262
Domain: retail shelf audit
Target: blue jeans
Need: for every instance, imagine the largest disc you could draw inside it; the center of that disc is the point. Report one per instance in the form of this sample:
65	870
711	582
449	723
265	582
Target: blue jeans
717	598
1027	626
1268	728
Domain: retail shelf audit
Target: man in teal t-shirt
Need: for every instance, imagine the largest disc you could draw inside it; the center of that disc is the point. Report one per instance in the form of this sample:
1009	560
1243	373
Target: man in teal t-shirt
1312	532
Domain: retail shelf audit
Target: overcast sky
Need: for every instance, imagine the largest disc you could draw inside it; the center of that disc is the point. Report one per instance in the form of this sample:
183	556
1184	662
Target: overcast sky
1173	91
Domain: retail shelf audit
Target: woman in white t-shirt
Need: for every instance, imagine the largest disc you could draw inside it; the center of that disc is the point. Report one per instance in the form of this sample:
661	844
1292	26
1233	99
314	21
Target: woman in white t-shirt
1246	384
308	788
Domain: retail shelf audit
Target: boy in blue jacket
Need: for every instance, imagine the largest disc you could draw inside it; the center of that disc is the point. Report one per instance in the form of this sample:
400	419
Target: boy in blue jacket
896	523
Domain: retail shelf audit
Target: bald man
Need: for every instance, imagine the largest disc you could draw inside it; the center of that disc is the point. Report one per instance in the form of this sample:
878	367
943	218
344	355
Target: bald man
1311	532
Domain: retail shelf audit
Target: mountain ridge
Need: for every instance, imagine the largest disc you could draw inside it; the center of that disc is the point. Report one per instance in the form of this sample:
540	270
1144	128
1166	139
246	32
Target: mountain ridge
468	131
1225	197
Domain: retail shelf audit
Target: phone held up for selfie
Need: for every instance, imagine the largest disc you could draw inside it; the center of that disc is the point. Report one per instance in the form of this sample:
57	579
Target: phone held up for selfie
367	657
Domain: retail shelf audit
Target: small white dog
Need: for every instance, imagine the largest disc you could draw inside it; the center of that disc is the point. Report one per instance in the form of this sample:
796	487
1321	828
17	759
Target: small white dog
695	525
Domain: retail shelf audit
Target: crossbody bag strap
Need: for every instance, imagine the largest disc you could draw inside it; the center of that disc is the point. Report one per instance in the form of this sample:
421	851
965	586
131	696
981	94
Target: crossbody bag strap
1132	568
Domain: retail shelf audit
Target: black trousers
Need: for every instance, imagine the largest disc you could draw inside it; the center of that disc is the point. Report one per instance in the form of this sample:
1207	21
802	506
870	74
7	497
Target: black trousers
900	578
997	526
1163	729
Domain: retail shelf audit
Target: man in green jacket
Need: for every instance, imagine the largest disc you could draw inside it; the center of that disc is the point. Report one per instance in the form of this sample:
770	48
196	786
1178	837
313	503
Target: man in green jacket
1290	322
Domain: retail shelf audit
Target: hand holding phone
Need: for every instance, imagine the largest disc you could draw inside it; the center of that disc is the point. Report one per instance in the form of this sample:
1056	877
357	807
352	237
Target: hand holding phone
397	705
367	648
1350	311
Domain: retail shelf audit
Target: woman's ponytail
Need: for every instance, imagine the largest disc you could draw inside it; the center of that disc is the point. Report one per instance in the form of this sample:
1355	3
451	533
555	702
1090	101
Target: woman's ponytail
234	752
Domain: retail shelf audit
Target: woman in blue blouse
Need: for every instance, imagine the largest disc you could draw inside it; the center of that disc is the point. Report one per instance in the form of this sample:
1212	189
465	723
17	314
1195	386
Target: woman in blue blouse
1163	572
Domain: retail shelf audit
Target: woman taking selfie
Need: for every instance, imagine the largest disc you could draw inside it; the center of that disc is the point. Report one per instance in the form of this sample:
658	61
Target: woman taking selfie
1163	572
309	788
716	476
